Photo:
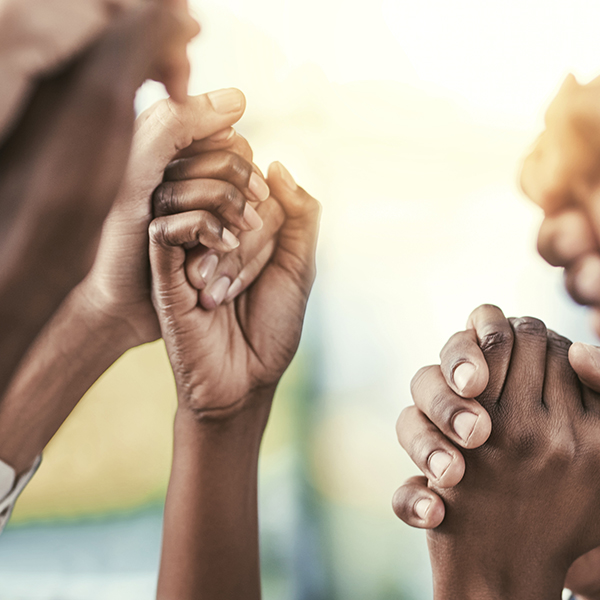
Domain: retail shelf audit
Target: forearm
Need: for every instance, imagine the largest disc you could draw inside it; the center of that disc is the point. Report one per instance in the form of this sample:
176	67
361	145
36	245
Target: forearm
210	540
77	345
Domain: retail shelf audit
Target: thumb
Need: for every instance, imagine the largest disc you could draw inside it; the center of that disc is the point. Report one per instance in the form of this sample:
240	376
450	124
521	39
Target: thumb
168	127
585	360
297	243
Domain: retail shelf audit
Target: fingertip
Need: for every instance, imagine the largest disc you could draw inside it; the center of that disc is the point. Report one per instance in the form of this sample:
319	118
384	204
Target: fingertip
470	379
436	513
454	472
227	101
280	173
418	507
585	360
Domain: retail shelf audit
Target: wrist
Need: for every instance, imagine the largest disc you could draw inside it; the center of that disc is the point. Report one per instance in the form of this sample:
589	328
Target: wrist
104	321
472	572
251	411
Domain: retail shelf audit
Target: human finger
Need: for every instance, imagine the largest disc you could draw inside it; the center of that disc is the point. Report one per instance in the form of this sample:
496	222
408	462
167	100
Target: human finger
463	364
226	139
582	279
281	293
173	68
558	379
429	449
463	420
224	165
193	227
495	338
528	362
564	237
585	360
219	197
239	268
168	127
417	505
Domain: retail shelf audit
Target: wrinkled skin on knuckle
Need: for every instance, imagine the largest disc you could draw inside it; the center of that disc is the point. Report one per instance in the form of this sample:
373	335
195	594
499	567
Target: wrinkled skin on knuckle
165	199
233	199
494	340
158	231
208	227
441	408
235	168
529	326
559	344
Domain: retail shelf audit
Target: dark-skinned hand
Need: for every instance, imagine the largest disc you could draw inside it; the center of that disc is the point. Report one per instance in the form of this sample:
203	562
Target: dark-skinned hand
446	417
221	357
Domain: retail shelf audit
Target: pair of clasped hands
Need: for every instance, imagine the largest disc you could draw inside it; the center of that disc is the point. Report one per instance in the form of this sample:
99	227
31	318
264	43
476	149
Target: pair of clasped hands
506	429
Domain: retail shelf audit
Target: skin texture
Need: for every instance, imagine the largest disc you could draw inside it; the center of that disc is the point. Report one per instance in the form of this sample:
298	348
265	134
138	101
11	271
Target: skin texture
427	429
118	284
561	175
227	364
39	36
60	171
112	306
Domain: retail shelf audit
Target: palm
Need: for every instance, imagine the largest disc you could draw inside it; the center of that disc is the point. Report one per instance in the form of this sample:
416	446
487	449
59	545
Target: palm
243	345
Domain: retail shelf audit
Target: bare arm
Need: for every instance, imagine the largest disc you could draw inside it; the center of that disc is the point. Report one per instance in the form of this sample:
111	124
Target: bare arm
60	171
227	363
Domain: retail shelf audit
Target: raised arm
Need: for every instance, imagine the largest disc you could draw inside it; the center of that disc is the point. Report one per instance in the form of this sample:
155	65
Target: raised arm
61	169
227	364
111	310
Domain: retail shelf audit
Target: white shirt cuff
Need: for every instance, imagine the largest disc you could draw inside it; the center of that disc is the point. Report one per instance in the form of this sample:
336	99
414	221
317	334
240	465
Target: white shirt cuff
11	488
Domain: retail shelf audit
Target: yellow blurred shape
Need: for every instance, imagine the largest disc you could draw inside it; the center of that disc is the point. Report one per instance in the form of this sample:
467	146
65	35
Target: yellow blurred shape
114	451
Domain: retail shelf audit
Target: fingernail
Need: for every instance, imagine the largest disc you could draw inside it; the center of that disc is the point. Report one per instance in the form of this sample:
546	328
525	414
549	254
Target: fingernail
464	424
208	266
438	463
229	239
258	187
252	218
223	135
421	507
234	289
218	289
226	101
463	374
587	279
287	178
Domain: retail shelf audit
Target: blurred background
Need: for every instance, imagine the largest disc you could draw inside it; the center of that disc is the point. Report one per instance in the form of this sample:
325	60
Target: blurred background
408	120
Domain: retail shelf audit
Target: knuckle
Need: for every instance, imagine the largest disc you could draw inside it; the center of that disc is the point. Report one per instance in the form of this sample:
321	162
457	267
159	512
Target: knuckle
559	342
420	447
165	199
232	197
236	168
441	408
494	338
158	231
209	226
529	325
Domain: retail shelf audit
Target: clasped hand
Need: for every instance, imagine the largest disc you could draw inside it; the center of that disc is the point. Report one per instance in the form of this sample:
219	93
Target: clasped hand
529	474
